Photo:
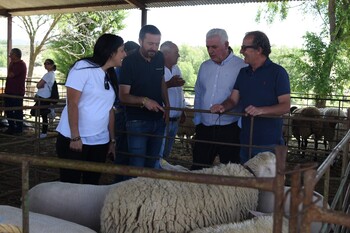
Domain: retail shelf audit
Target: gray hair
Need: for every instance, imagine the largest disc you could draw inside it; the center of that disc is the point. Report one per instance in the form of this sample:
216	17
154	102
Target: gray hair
221	33
166	46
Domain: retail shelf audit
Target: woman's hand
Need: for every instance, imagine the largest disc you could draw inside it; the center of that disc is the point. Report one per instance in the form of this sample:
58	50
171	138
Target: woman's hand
76	146
111	150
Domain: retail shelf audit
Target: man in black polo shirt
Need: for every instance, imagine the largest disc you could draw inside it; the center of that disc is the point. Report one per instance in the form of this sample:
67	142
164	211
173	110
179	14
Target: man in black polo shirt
142	84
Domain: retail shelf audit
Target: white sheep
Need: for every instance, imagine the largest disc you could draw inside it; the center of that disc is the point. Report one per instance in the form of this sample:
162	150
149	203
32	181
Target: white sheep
39	223
153	205
78	203
261	224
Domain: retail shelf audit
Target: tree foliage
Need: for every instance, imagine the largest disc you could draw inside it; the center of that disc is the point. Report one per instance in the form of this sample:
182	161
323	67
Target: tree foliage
322	64
33	25
78	34
190	60
3	53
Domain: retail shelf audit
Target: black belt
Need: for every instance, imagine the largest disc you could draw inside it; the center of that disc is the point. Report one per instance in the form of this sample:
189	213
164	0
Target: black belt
173	118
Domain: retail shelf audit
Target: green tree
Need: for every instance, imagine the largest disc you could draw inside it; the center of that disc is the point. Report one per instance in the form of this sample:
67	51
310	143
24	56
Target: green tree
322	64
78	34
3	53
190	60
32	25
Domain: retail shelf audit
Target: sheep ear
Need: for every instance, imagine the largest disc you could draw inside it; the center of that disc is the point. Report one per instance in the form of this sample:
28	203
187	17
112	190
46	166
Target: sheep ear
257	213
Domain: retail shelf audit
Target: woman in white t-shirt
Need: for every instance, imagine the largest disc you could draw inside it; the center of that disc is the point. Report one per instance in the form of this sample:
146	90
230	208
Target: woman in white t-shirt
86	127
44	92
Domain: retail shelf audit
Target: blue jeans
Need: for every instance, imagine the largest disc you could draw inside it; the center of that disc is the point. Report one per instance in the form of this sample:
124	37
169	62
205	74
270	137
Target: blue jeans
170	133
144	149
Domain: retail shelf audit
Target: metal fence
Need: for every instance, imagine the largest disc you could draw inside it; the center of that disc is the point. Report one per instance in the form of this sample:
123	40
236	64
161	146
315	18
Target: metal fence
297	174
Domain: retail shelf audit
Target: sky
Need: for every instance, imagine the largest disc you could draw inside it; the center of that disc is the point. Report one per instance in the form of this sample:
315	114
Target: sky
189	25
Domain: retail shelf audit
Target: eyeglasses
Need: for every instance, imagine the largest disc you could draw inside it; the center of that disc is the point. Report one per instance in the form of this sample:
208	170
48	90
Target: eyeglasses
245	47
47	63
106	82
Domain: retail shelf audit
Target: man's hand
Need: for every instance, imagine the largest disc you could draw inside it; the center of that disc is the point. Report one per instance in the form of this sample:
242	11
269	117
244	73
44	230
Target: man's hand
175	81
217	108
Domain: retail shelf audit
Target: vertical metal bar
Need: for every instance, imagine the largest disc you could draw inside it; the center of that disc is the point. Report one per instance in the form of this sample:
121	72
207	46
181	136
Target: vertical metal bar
281	154
294	200
326	187
251	136
25	188
143	17
309	187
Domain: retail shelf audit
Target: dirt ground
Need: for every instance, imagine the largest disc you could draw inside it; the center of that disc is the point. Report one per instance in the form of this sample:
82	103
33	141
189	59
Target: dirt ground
10	181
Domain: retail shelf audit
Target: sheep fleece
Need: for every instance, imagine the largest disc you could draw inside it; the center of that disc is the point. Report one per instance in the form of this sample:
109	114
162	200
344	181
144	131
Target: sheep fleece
153	205
262	224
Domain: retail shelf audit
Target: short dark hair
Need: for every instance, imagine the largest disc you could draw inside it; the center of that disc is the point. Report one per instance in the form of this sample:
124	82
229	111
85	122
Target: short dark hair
17	52
50	61
151	29
260	40
130	47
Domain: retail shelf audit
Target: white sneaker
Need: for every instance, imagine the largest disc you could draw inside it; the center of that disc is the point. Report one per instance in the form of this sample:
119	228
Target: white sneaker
43	135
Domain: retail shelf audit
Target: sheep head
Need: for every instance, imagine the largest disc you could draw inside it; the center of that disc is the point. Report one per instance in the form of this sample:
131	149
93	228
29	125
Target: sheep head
263	164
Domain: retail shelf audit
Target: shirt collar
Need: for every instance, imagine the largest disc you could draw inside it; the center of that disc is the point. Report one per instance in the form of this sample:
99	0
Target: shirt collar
266	63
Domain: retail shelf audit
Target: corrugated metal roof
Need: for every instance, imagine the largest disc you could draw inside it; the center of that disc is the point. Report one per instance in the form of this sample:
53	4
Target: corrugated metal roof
34	7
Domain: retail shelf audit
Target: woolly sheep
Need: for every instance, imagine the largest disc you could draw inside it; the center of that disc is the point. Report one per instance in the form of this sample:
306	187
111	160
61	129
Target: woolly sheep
167	166
152	205
256	225
333	131
39	223
78	203
302	129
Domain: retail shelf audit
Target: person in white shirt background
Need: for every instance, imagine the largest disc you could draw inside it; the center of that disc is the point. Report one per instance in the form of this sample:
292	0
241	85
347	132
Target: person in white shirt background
174	83
44	91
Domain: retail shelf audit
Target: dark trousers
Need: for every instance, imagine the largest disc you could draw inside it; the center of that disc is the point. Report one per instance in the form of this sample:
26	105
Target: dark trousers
204	153
121	139
43	113
91	153
15	125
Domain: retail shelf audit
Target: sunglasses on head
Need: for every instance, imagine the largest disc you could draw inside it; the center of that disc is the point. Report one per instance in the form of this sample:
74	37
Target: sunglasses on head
106	82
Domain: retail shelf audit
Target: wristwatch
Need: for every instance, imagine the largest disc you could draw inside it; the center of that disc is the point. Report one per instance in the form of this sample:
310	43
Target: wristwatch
112	141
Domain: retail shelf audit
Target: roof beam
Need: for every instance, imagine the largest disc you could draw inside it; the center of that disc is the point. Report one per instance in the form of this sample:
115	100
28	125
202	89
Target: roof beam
136	3
31	9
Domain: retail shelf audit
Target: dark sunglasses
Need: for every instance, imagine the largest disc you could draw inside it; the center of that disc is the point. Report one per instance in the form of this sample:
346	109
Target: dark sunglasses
245	47
106	82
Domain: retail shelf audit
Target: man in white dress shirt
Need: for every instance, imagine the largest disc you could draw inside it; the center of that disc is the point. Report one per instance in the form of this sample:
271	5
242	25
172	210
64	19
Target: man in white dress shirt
174	83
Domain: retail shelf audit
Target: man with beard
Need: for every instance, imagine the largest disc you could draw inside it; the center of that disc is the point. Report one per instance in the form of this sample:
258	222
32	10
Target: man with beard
142	88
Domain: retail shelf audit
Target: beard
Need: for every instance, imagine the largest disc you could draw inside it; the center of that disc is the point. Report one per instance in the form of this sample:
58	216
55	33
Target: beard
151	53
